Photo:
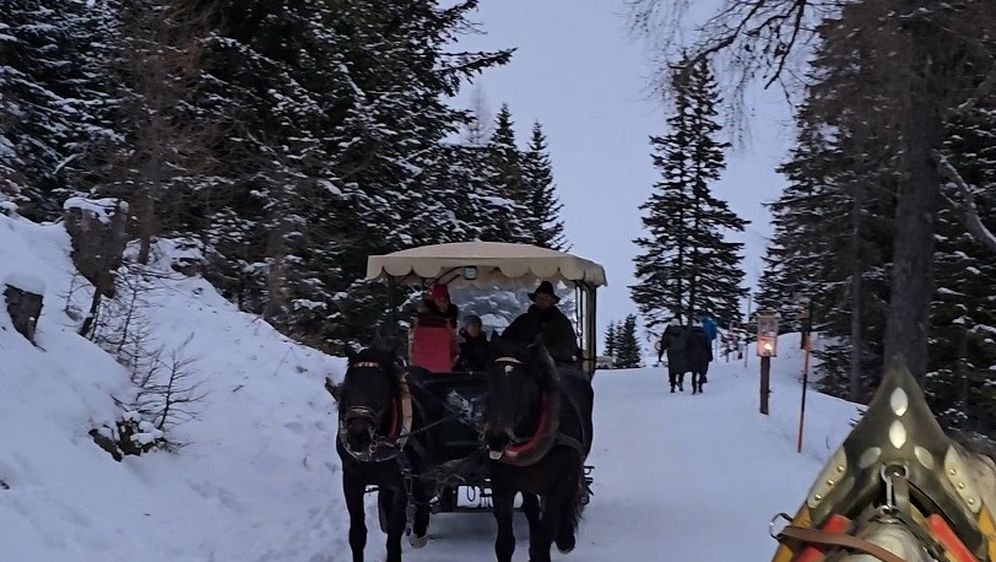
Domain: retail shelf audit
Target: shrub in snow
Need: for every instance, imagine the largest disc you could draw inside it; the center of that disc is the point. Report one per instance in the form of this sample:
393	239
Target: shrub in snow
167	393
130	435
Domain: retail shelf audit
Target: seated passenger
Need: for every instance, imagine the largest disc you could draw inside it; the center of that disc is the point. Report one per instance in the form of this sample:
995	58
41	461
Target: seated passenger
437	310
432	341
473	345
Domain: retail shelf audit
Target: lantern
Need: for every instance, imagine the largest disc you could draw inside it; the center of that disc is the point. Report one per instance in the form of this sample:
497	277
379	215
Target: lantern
767	334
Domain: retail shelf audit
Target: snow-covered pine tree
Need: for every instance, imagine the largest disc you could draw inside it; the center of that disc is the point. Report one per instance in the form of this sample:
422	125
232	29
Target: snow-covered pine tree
266	212
610	340
628	353
479	128
961	380
396	121
334	117
686	266
545	221
507	204
53	97
161	159
833	226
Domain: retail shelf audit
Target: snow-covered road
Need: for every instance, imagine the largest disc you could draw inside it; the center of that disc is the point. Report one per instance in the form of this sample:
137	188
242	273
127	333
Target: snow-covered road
679	477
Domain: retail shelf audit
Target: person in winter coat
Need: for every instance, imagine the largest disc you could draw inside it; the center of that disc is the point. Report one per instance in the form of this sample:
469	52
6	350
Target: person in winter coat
675	343
699	355
544	318
474	350
710	327
432	341
437	310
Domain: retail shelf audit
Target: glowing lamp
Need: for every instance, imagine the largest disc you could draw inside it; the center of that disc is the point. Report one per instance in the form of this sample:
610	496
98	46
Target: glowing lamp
767	334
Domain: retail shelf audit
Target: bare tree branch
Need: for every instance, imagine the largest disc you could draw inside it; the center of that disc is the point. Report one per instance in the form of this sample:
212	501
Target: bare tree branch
969	210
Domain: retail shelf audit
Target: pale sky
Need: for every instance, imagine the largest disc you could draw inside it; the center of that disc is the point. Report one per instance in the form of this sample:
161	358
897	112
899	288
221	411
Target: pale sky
579	71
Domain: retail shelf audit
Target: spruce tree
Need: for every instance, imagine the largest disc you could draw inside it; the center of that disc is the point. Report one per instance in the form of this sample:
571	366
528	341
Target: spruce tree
961	378
544	207
628	351
336	154
507	204
686	266
610	340
54	94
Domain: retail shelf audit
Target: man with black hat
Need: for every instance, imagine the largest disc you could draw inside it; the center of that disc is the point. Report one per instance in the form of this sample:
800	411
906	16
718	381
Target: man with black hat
543	317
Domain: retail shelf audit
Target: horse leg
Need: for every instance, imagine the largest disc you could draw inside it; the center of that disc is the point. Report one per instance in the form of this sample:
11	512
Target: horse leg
396	519
561	498
503	504
673	379
531	507
420	527
353	489
384	509
568	517
695	382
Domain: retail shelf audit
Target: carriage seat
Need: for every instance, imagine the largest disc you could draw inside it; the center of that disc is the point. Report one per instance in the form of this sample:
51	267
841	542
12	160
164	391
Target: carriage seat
433	348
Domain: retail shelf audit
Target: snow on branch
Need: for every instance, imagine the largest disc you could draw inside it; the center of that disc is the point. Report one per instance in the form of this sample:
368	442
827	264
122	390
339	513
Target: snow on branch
969	210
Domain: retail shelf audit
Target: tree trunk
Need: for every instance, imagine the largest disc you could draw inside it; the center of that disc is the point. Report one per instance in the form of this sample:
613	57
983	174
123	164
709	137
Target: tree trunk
854	394
693	282
681	268
916	214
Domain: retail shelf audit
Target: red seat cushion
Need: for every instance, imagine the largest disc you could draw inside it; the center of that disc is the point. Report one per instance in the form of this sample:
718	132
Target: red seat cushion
433	348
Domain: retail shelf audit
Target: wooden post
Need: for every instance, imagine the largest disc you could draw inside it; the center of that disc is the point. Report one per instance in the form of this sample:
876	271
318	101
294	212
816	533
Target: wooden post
806	315
765	383
805	384
746	339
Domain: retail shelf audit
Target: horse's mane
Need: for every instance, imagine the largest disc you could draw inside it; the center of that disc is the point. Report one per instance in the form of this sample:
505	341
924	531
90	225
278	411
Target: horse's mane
385	357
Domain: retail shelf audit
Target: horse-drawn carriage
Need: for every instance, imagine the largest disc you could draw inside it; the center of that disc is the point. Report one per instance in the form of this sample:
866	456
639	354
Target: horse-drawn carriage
417	431
489	266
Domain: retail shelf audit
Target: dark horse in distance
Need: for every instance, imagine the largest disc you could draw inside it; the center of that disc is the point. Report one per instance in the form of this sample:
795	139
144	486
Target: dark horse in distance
538	432
380	445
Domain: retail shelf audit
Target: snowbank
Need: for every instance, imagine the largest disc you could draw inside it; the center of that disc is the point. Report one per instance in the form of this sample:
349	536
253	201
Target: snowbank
257	478
25	282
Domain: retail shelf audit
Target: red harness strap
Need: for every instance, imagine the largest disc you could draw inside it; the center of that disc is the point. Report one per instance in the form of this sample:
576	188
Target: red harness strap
544	426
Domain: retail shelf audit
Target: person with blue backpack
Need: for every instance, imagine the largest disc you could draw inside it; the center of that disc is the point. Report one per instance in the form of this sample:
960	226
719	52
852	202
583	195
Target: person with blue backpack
709	326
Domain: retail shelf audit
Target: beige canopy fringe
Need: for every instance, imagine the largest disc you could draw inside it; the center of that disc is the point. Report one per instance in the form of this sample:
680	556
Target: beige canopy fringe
497	263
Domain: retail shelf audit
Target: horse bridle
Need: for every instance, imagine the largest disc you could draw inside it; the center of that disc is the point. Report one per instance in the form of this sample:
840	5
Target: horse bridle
354	413
510	364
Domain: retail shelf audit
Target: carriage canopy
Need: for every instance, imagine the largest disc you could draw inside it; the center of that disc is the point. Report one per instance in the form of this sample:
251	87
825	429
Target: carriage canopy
490	264
495	263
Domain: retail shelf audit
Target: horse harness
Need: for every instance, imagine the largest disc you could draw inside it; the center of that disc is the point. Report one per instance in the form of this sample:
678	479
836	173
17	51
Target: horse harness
838	531
547	436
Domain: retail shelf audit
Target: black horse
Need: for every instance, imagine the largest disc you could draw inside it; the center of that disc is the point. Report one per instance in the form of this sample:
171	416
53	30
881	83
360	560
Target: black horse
538	432
377	449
